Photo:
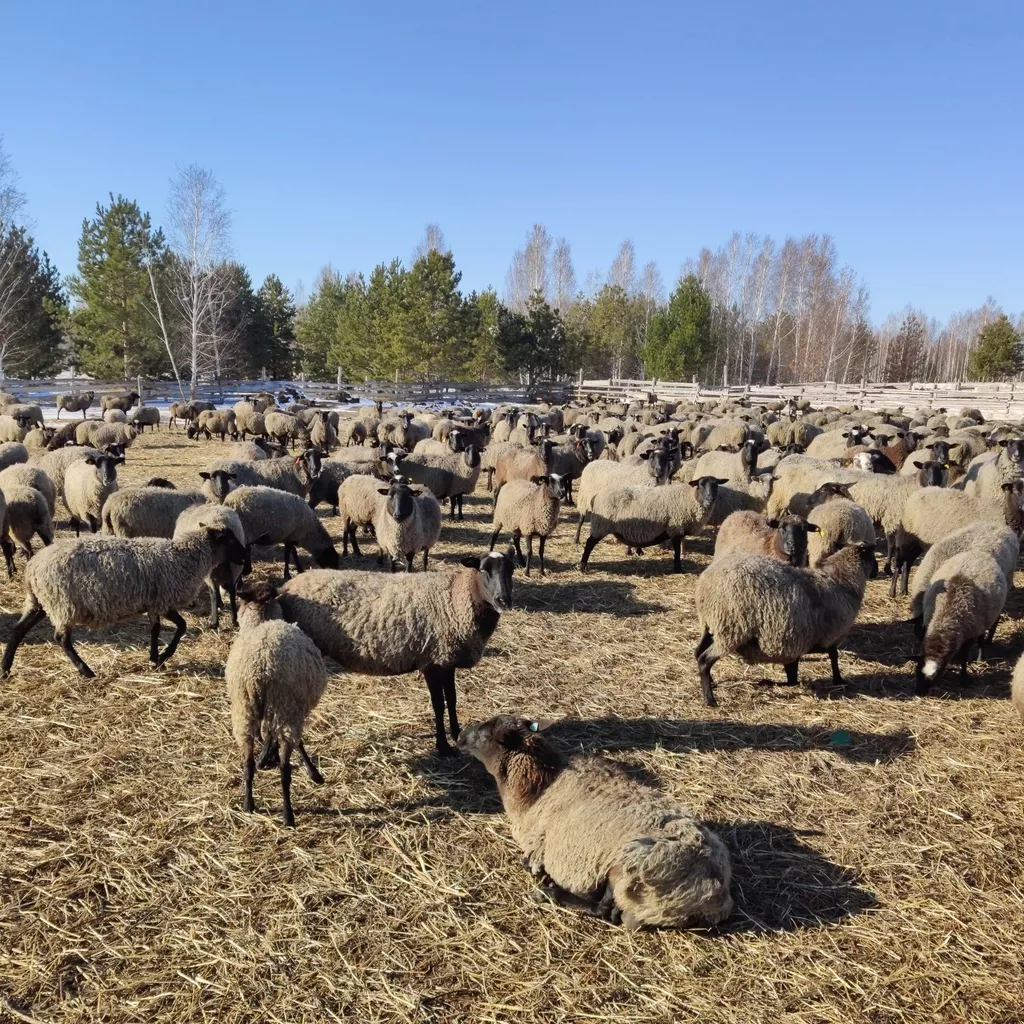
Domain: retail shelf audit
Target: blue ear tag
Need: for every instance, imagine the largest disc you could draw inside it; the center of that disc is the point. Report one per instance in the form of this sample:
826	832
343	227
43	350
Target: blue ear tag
534	727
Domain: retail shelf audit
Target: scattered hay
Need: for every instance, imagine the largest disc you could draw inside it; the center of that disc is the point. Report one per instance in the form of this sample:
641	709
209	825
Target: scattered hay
877	840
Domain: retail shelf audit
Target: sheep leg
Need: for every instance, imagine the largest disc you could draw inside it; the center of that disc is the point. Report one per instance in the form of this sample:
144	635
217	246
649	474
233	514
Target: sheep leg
18	632
233	603
77	525
460	507
990	636
434	678
248	771
288	815
215	604
529	552
352	540
408	561
517	540
705	661
705	642
541	553
154	639
791	673
69	650
295	559
8	549
287	575
602	907
426	556
311	769
270	756
94	524
833	657
677	553
579	527
180	627
587	548
448	682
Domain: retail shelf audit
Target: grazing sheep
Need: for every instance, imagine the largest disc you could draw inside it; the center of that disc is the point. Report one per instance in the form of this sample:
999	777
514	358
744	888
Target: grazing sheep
841	523
281	426
271	516
275	678
223	576
359	500
766	611
751	533
643	516
28	516
122	402
87	485
961	605
186	411
31	476
214	421
114	416
100	581
12	453
407	522
384	624
528	508
294	475
145	416
150	511
599	840
446	476
75	403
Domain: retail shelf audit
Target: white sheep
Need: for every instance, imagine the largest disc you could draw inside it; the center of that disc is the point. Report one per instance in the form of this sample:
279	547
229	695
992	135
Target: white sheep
146	511
528	508
87	485
408	521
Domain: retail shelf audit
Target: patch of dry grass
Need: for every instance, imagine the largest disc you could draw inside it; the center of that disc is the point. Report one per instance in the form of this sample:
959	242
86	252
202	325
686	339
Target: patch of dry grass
877	880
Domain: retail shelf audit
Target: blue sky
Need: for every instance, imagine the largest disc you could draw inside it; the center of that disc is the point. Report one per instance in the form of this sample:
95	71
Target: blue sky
339	130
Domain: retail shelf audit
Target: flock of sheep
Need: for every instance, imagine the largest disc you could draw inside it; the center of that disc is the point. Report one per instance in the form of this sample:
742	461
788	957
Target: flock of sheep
799	500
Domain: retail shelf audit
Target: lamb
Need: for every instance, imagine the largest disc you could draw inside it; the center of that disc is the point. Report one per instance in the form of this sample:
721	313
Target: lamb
28	515
12	453
13	429
994	539
653	469
446	619
75	403
271	516
70	582
963	602
114	416
40	437
145	416
359	500
751	533
407	522
275	677
122	402
446	476
528	508
150	511
841	523
1017	692
294	475
766	611
642	516
87	485
223	576
598	840
214	421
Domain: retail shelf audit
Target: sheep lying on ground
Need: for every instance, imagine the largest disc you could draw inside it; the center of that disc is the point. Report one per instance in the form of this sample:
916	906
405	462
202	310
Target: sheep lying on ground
275	678
766	611
100	581
599	840
446	617
751	533
528	508
407	522
12	453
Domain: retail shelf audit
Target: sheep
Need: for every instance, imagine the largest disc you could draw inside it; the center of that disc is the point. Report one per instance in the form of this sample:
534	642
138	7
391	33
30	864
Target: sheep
766	611
247	451
294	475
5	537
28	515
351	432
643	516
653	470
145	416
359	500
160	481
1017	691
520	464
28	411
224	575
186	411
39	437
993	538
833	444
75	403
568	461
528	508
489	459
114	416
802	475
408	521
282	427
63	435
248	420
31	476
751	533
150	511
56	463
13	429
740	466
963	602
214	421
598	840
987	473
729	432
446	617
841	523
12	453
396	429
122	402
87	485
321	432
97	434
275	677
271	516
446	476
100	581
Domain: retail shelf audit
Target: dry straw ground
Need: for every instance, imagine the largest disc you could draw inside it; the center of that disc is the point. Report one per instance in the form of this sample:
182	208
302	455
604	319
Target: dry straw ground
878	879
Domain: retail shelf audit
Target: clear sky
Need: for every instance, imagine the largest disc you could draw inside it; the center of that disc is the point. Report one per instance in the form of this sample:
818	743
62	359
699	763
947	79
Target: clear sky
339	129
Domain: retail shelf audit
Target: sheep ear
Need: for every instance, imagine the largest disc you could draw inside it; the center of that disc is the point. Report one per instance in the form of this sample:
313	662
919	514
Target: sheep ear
538	479
645	455
773	523
845	433
470	562
90	460
813	528
694	483
1004	442
383	490
720	481
204	475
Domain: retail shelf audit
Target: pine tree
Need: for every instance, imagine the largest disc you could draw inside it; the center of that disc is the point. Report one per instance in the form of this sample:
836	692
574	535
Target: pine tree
113	327
438	323
277	329
316	325
998	354
680	341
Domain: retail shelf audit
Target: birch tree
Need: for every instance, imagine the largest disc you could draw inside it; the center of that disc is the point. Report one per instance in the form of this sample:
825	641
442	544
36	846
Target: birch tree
433	241
563	277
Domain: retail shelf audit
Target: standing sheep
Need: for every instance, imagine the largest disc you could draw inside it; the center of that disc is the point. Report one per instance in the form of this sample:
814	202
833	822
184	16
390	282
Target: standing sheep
122	402
145	416
359	501
599	840
75	403
150	511
528	508
87	485
28	516
213	421
445	476
751	533
223	576
275	677
407	522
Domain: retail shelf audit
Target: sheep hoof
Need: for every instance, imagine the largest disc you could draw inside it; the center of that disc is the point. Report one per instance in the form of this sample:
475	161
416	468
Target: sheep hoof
447	751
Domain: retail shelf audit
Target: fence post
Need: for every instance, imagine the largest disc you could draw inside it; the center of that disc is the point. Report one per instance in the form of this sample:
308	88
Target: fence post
139	389
339	378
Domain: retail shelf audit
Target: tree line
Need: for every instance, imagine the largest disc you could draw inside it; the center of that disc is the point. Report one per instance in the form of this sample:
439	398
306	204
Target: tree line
172	301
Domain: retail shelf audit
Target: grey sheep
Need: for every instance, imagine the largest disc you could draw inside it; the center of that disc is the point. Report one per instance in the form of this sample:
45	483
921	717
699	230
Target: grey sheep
185	411
653	469
275	677
13	429
359	500
333	472
28	516
97	434
223	576
115	416
56	463
122	402
446	476
146	511
27	410
408	521
961	605
351	432
294	475
87	485
281	426
383	624
31	476
40	437
841	523
271	516
100	581
642	516
214	421
766	611
746	532
321	432
12	453
528	508
249	420
75	403
145	416
598	840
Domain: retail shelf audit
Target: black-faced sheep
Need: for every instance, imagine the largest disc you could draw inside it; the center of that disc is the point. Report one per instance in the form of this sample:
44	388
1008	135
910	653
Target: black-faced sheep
408	521
528	508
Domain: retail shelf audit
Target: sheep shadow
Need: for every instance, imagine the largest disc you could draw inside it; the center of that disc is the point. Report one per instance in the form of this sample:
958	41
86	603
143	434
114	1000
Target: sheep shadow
610	733
885	643
581	595
783	884
463	784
